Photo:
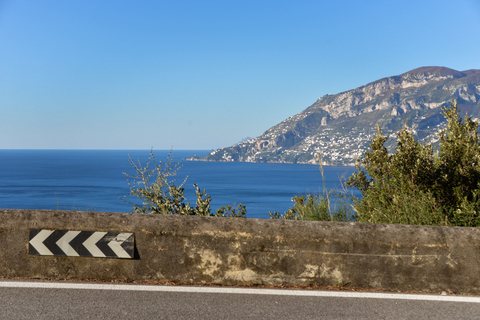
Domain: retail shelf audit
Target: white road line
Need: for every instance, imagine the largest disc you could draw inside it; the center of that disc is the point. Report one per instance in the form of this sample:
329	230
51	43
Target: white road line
235	290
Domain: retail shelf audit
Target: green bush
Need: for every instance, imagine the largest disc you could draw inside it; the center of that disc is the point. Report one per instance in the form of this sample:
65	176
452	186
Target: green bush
416	185
326	206
154	185
318	208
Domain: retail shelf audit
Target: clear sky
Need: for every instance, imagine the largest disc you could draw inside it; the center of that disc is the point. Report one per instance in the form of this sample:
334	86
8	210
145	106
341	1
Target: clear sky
114	74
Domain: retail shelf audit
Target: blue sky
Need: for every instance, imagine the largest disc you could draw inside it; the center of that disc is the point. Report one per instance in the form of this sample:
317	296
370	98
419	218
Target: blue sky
108	74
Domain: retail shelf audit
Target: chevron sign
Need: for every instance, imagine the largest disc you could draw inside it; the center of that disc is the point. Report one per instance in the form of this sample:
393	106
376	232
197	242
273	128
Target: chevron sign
81	243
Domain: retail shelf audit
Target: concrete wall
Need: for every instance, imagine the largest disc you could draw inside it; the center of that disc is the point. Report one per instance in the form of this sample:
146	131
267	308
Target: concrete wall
228	250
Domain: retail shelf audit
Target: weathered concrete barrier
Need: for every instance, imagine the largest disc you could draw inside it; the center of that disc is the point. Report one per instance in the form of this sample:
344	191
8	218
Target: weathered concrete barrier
228	250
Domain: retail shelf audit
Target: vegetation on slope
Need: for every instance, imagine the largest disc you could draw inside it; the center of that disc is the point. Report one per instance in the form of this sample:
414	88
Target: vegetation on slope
413	185
155	186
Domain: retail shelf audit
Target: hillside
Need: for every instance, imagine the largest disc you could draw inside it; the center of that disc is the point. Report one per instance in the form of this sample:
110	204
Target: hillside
338	127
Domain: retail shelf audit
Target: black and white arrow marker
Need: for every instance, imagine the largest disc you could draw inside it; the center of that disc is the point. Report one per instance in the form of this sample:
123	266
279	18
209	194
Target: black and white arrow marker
81	243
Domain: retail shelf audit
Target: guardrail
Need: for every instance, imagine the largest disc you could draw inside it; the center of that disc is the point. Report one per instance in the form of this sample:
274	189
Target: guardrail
233	250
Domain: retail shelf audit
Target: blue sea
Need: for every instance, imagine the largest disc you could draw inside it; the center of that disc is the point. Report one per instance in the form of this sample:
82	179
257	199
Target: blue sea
94	180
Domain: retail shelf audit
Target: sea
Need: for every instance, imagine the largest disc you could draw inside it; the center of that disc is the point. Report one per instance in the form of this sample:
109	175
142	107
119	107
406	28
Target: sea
95	180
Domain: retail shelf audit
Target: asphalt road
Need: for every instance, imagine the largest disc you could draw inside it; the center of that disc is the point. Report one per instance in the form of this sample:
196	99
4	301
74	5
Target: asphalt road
73	300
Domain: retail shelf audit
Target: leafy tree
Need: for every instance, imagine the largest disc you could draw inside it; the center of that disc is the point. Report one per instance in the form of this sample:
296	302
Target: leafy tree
414	185
154	185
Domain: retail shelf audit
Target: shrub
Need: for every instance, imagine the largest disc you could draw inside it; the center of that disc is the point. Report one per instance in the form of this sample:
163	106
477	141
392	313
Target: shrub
154	185
326	206
414	185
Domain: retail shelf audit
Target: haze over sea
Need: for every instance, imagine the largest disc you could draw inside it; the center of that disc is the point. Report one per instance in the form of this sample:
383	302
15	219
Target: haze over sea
94	180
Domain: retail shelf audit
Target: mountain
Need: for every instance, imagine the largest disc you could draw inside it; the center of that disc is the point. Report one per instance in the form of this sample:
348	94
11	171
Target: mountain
338	128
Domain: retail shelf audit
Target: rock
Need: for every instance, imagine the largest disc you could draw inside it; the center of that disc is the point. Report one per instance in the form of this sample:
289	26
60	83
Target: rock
339	127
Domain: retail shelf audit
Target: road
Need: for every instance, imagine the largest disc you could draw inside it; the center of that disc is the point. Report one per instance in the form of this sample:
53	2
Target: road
75	300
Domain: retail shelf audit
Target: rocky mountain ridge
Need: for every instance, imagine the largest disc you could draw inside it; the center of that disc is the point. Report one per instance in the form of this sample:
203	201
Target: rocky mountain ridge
337	128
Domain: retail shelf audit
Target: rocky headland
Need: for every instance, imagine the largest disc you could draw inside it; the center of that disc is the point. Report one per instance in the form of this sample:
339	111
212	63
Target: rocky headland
337	128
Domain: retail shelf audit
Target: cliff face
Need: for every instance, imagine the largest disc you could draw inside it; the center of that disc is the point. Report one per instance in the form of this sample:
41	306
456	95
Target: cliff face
338	128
